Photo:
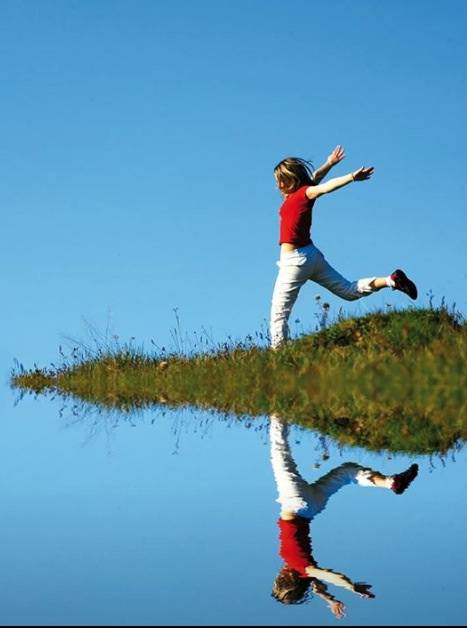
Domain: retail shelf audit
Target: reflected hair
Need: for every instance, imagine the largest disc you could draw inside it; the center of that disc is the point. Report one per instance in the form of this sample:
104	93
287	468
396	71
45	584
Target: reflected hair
290	588
293	172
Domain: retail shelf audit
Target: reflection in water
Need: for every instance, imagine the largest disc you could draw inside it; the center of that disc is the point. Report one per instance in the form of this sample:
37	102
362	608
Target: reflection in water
300	502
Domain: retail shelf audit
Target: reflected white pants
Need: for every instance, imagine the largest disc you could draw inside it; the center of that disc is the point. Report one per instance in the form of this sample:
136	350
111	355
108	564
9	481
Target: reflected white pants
295	269
295	494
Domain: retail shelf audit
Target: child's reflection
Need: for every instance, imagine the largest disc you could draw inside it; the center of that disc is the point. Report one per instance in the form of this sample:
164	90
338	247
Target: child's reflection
300	502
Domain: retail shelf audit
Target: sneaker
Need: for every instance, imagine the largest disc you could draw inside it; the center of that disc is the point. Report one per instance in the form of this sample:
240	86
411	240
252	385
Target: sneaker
403	283
402	480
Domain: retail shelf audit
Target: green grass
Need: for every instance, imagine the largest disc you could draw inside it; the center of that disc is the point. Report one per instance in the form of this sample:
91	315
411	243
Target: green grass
385	381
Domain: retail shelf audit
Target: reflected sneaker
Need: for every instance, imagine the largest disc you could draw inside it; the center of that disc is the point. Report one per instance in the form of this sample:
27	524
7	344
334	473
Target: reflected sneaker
402	480
403	283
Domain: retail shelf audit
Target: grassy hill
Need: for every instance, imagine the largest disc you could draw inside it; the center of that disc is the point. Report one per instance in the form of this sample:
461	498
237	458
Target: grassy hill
387	380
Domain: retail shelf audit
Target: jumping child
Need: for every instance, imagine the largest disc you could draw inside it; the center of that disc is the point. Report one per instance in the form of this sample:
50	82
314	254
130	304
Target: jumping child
300	503
300	260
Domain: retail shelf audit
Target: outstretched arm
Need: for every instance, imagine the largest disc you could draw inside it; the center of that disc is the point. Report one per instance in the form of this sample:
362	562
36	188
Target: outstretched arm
336	606
362	174
340	580
334	158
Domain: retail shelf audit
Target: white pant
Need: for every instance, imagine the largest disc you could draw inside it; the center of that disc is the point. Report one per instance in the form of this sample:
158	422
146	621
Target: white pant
295	269
295	494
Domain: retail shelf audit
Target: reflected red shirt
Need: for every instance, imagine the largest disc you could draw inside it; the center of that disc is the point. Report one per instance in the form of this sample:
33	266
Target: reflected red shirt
295	218
295	544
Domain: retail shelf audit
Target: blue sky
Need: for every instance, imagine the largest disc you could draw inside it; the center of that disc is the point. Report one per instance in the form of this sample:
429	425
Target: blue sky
138	141
137	146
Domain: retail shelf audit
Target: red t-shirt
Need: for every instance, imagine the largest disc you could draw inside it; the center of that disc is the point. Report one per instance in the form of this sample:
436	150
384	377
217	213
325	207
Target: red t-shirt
295	218
295	544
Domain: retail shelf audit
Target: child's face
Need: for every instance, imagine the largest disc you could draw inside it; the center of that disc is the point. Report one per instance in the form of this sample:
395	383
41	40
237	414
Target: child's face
280	186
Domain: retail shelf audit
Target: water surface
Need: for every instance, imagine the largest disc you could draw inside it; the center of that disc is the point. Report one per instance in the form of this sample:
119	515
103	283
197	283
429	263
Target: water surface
173	520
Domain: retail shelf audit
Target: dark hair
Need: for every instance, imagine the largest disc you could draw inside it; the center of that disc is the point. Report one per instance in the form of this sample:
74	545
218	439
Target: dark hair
293	172
289	587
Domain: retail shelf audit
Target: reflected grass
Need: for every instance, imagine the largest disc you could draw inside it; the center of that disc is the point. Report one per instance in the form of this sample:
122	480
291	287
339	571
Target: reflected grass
385	381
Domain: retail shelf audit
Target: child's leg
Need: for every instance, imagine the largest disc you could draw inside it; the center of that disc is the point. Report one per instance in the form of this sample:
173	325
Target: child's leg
290	279
319	492
290	484
325	275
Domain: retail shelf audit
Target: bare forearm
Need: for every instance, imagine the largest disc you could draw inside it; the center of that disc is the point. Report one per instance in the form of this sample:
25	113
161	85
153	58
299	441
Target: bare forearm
330	576
336	156
321	172
321	590
329	186
338	182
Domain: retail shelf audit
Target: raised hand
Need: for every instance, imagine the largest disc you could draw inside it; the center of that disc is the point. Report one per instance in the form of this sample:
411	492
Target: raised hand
338	609
336	156
362	173
362	588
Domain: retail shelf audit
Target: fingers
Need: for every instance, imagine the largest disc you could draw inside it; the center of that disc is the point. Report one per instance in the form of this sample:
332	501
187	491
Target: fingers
337	155
362	588
363	173
339	610
339	152
366	594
